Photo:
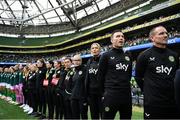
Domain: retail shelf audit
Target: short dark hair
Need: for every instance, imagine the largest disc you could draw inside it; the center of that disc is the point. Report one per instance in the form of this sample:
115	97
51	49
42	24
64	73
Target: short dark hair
115	31
68	58
153	30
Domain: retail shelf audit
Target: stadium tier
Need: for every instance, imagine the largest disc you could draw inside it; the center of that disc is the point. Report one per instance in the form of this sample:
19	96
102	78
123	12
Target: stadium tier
126	18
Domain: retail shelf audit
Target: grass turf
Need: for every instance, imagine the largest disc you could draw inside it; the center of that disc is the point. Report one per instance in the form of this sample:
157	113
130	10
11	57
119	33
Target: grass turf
136	114
9	111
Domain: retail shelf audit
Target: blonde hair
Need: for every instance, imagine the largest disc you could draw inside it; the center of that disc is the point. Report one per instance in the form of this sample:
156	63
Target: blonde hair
97	44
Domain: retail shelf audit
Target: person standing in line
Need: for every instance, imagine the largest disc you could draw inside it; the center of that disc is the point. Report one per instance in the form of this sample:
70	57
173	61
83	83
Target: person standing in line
31	85
40	76
56	81
91	83
1	81
68	88
78	99
114	75
155	72
26	71
20	83
49	73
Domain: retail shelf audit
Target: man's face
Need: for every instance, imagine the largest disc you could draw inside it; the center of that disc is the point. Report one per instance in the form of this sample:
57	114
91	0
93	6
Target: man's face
77	61
95	50
117	40
56	64
33	67
160	36
67	63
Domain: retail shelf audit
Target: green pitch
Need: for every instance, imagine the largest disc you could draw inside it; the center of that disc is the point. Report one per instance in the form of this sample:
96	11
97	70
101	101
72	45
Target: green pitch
8	111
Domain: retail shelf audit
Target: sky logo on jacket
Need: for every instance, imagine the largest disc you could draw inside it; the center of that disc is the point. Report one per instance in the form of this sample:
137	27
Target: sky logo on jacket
93	71
162	69
121	66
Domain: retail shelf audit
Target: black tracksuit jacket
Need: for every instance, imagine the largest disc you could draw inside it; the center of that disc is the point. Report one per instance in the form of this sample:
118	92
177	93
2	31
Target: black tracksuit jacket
157	67
91	82
114	75
78	91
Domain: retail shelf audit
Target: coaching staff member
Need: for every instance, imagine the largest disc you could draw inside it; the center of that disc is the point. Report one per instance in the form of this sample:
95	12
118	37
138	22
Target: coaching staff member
155	71
114	75
91	83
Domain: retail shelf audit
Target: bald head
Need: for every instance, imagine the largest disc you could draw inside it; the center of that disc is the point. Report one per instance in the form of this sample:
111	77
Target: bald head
77	60
77	57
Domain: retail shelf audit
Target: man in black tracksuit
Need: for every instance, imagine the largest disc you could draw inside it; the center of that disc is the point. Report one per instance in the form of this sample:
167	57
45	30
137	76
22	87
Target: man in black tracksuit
78	100
68	88
114	75
155	71
91	83
60	91
177	88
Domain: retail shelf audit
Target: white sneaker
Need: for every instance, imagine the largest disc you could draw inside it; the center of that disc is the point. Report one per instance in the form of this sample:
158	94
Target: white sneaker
22	105
12	102
3	97
30	111
26	106
27	109
16	103
9	99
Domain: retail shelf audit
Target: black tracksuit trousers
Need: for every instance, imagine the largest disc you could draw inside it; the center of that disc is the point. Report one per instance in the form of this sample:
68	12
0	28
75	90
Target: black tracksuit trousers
79	109
95	106
111	105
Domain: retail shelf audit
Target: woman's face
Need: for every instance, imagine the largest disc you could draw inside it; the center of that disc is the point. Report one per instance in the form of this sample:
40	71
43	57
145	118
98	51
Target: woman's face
39	64
95	50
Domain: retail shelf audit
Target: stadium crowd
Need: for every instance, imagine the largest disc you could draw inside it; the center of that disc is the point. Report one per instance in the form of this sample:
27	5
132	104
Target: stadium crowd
18	58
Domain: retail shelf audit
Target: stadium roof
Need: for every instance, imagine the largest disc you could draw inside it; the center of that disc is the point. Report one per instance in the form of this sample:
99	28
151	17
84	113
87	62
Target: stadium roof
46	12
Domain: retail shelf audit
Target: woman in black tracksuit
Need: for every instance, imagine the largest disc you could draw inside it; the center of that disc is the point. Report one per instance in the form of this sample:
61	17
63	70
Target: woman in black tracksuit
56	83
47	85
40	76
92	86
31	82
78	98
